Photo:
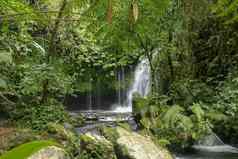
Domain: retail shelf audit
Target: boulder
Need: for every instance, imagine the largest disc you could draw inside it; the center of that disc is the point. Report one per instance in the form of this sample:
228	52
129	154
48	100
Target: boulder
50	152
140	147
95	146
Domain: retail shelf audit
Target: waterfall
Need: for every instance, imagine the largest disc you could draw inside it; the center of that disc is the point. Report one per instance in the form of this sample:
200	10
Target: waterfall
140	85
121	83
141	82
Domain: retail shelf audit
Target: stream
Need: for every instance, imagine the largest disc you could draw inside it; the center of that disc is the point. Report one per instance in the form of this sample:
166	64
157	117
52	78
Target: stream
210	147
208	156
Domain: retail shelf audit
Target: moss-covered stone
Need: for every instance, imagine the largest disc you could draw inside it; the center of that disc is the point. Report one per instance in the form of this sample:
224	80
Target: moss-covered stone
11	137
50	152
140	147
26	150
66	137
96	147
112	135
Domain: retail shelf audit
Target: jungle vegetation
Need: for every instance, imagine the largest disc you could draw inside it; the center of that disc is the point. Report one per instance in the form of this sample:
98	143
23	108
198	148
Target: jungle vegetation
53	48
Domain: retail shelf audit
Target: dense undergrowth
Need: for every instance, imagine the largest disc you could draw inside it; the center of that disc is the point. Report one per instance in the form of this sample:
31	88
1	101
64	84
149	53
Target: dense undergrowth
51	50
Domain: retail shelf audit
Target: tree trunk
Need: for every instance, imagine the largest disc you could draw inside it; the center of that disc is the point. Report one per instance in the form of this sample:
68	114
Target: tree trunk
51	50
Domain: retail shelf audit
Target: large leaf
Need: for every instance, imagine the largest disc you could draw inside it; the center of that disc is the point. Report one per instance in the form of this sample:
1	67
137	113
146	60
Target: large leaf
5	57
3	84
172	115
197	110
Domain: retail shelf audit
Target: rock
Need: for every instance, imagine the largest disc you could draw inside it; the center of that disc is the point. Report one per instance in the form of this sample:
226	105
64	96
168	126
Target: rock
59	131
11	137
68	126
50	152
141	147
93	145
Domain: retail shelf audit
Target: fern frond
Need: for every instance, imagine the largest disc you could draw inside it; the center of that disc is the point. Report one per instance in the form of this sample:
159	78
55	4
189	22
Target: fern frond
197	110
172	115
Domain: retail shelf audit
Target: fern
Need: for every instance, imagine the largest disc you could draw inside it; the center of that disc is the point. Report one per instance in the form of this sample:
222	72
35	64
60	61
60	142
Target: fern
172	115
186	122
198	112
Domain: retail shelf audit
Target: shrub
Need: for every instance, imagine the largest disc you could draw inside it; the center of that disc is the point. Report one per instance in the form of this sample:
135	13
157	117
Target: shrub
37	117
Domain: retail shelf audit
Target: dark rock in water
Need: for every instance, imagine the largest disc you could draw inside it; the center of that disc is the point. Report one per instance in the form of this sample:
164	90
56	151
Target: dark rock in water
68	126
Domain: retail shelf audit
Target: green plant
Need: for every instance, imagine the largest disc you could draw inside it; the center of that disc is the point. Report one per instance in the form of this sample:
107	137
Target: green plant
37	117
97	149
225	110
172	125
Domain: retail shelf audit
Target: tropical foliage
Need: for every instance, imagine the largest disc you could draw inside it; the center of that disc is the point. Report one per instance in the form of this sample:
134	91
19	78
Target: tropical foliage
50	50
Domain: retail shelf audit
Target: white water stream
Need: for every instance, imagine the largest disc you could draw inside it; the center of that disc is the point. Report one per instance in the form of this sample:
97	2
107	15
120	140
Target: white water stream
212	147
140	85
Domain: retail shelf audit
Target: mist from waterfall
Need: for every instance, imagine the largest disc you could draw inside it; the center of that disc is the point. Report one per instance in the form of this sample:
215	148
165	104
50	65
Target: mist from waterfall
140	85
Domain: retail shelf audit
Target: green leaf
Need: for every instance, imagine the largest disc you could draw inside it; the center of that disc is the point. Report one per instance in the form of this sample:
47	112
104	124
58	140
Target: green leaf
5	57
197	110
3	83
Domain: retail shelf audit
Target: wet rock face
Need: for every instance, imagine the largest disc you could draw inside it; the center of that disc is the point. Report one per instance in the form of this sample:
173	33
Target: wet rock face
141	147
50	152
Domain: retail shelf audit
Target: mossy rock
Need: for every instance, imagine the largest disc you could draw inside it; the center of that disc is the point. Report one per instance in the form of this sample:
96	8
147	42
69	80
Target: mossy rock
65	137
140	147
15	137
59	132
112	135
26	150
96	147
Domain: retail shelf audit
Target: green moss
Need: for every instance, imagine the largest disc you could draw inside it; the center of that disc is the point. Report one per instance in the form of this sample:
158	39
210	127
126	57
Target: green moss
110	134
92	148
25	150
125	126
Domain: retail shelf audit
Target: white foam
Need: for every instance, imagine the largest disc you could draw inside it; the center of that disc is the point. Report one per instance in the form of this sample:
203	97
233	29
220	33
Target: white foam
140	85
121	109
218	148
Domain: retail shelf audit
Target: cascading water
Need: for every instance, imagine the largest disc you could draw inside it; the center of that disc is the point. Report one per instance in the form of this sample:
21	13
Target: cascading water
121	82
140	85
213	143
211	147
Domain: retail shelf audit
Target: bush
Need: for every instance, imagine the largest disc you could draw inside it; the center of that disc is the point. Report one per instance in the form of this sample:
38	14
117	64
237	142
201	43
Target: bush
172	125
37	117
225	117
